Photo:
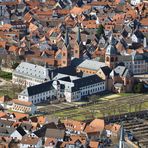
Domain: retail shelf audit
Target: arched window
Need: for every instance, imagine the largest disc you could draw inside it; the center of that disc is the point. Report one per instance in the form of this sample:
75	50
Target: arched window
107	58
112	59
116	59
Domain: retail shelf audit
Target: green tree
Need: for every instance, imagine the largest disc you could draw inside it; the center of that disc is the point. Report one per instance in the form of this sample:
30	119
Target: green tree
100	31
138	88
14	65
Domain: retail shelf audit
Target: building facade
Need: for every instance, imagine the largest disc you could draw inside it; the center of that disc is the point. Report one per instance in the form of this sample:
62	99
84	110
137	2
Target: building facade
27	74
70	88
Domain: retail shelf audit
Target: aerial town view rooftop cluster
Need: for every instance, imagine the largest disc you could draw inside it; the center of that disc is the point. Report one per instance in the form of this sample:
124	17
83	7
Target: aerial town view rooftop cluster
73	73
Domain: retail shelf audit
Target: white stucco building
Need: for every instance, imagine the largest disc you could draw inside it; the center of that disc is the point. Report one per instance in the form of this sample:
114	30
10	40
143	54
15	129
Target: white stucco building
27	74
71	88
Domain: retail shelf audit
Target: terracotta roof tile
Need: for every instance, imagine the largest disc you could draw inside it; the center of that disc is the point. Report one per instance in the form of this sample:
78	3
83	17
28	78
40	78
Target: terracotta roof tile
50	141
20	115
23	103
93	144
98	123
29	140
74	125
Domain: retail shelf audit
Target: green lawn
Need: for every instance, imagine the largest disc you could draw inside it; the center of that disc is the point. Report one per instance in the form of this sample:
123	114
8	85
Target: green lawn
5	75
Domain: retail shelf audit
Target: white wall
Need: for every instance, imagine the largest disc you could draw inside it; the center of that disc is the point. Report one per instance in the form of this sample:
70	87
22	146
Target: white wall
17	135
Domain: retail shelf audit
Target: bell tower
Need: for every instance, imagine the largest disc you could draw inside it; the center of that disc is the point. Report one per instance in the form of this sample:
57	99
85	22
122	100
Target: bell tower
78	48
111	57
66	51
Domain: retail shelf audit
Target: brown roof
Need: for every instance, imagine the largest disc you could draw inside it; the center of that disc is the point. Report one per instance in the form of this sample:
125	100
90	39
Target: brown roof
74	125
29	140
144	21
23	103
20	115
93	144
74	138
98	123
76	10
2	114
115	128
50	141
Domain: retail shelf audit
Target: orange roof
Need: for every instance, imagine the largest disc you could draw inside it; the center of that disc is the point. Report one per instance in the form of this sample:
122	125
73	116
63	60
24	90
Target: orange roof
23	103
6	27
2	114
98	123
93	144
20	115
115	128
90	129
74	125
74	138
76	10
144	21
32	27
28	17
50	141
2	43
13	49
86	7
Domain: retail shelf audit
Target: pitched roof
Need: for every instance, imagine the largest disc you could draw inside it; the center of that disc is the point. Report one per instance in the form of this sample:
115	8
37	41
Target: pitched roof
23	103
98	123
93	144
122	71
91	64
55	133
50	141
21	131
74	125
32	70
29	140
106	70
19	116
37	89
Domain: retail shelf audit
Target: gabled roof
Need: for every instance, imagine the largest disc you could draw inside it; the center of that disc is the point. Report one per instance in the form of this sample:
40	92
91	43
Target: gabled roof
29	140
37	89
23	103
91	64
21	131
32	70
98	123
106	70
121	71
6	131
55	133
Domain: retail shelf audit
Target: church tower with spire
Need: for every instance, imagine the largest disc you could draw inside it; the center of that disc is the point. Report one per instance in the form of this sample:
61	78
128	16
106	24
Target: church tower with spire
111	53
78	48
66	51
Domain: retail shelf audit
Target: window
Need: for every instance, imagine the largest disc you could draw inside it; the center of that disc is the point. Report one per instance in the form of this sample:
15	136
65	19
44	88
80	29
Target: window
112	59
64	54
107	58
76	51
